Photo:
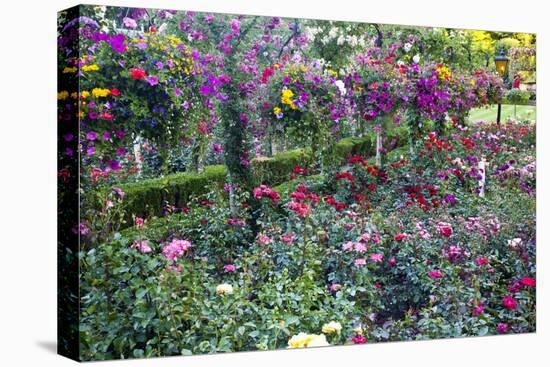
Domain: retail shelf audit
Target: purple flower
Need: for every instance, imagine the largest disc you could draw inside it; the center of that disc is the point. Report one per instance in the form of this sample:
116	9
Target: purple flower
185	104
91	135
106	135
153	80
114	165
159	65
205	89
117	43
68	137
141	45
449	198
121	151
217	148
90	150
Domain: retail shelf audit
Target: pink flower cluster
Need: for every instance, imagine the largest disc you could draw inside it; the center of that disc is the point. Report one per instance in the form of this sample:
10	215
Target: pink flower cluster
265	192
142	246
175	249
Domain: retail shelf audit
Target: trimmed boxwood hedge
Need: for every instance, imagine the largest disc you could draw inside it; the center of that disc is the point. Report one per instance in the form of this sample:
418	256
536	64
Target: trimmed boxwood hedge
147	198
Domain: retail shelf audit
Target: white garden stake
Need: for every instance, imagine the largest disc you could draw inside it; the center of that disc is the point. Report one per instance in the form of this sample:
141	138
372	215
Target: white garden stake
481	166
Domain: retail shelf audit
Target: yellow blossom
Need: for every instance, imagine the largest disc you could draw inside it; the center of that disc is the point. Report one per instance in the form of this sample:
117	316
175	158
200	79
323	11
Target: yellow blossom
443	73
63	95
286	96
276	110
85	94
100	92
332	327
473	82
69	70
303	340
91	67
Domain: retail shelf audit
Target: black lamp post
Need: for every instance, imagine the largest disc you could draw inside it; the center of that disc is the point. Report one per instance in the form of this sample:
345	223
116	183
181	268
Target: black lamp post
501	63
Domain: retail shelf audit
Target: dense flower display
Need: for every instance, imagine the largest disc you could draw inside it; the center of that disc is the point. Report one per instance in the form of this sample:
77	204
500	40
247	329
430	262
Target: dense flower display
254	183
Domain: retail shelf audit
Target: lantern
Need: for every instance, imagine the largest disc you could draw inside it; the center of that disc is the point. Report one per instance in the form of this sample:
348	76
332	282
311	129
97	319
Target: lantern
501	63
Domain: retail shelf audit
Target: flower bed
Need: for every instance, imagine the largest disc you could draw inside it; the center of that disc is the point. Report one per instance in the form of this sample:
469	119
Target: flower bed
361	255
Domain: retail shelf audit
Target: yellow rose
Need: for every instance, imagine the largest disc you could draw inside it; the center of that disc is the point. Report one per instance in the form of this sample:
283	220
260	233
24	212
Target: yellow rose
332	327
303	340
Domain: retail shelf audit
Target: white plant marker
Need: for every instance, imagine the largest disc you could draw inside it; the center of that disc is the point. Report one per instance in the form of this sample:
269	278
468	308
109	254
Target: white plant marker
481	166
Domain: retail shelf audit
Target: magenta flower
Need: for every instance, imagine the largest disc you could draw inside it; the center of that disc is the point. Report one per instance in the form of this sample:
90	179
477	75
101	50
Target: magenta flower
435	274
502	328
481	261
235	27
91	135
510	303
90	151
229	268
117	43
358	339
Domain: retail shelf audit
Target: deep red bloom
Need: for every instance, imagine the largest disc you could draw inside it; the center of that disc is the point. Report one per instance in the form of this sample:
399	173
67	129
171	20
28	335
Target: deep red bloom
400	237
115	92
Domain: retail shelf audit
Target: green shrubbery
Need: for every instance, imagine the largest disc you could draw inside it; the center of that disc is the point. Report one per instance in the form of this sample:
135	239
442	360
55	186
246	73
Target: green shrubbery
149	198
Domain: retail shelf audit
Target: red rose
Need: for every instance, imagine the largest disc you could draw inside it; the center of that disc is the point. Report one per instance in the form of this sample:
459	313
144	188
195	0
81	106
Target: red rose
445	229
400	237
115	92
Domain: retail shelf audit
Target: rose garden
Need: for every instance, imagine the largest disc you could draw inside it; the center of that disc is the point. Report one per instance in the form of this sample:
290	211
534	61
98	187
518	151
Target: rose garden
253	183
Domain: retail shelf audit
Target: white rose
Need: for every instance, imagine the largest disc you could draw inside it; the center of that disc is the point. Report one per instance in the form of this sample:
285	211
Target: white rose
318	341
416	58
407	47
224	289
